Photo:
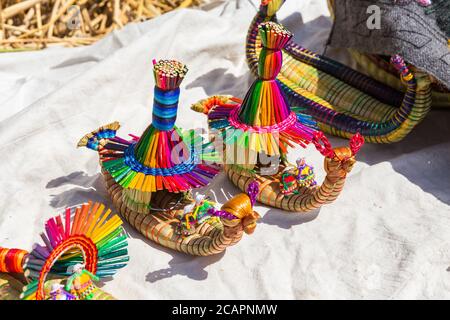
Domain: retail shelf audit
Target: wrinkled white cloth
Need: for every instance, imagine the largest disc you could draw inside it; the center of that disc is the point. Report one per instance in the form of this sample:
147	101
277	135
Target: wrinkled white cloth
386	236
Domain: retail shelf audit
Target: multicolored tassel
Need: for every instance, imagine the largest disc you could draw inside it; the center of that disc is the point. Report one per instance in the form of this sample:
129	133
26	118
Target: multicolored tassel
164	157
264	122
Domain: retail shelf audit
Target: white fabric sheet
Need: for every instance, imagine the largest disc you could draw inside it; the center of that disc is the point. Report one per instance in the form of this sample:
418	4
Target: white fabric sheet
387	235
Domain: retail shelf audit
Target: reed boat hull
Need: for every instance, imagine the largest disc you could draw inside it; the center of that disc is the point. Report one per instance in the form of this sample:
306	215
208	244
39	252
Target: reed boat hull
160	227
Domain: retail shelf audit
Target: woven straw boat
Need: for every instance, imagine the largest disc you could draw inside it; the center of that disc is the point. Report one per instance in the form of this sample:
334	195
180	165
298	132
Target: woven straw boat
86	238
11	287
381	70
341	100
337	164
262	126
152	193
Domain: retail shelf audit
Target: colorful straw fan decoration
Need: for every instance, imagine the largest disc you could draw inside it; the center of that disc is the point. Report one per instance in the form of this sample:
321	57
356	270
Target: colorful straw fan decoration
163	157
87	236
258	131
342	101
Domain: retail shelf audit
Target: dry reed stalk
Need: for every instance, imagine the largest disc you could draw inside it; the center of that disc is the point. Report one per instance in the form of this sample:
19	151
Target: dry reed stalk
39	23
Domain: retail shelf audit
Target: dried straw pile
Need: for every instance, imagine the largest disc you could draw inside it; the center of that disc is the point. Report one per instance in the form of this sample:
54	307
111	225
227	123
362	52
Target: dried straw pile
36	24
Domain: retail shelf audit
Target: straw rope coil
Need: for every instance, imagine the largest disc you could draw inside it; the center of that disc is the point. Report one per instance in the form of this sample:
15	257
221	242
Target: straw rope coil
308	198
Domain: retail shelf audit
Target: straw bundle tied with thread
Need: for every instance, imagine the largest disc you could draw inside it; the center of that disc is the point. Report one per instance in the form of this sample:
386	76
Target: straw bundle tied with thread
36	24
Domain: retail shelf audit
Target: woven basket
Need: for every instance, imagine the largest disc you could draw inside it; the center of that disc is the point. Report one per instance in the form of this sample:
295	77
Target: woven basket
379	112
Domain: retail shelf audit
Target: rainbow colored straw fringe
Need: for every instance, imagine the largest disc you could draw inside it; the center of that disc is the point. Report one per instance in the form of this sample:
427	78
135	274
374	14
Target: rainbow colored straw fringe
264	122
164	157
84	235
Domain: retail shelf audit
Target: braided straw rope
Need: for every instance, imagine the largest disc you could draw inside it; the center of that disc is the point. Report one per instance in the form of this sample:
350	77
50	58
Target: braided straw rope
341	100
209	238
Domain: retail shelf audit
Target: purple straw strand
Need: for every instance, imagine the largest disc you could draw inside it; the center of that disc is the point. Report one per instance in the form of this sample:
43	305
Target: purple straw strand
252	191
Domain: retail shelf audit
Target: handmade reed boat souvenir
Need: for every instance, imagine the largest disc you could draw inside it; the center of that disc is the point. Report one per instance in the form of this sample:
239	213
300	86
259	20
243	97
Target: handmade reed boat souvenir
420	20
343	101
150	177
80	247
257	131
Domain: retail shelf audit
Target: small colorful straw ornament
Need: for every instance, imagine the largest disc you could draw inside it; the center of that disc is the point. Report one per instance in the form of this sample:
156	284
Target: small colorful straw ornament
340	100
292	178
58	293
258	131
81	282
204	210
195	214
150	177
79	248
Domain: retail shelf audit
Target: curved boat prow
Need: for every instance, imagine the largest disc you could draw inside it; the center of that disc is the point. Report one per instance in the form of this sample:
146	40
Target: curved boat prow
79	247
338	163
